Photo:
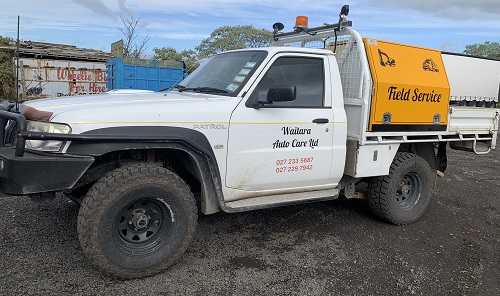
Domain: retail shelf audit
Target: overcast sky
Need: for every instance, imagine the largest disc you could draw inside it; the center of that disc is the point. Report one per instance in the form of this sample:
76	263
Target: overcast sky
443	24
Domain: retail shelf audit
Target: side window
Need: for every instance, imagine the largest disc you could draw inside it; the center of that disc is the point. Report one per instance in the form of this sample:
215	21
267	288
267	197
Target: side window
307	74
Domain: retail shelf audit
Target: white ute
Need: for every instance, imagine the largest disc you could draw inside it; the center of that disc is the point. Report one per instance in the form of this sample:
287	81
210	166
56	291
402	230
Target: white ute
249	129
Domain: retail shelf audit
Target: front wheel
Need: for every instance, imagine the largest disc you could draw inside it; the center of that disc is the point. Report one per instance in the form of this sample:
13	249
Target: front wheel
136	221
402	196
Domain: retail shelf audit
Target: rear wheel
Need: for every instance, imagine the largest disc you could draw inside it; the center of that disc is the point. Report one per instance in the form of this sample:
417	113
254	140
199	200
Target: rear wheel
402	196
136	221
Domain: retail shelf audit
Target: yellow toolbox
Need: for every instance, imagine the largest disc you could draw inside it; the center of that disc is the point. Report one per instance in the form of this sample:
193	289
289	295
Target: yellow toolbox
411	89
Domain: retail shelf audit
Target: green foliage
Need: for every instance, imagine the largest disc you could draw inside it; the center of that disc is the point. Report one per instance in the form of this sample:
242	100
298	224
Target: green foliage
487	49
7	77
233	37
189	57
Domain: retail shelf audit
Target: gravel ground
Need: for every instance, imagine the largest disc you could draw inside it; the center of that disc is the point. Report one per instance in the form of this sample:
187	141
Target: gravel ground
328	248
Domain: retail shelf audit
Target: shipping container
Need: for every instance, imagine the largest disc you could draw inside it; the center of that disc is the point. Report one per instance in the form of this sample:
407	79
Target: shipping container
143	74
44	78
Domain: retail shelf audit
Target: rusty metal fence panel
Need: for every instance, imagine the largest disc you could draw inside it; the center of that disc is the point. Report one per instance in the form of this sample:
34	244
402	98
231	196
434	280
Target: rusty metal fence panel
45	78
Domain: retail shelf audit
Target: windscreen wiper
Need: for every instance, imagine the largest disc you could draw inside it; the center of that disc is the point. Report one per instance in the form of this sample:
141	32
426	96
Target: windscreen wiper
203	89
170	88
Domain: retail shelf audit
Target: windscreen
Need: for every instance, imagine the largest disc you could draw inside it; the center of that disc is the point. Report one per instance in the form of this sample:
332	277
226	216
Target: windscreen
226	72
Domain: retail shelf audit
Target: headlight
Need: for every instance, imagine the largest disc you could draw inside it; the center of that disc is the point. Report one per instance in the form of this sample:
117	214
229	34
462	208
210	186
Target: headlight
46	127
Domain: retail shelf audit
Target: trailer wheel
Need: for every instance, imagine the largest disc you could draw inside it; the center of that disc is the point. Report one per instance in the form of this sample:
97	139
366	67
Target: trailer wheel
402	196
136	221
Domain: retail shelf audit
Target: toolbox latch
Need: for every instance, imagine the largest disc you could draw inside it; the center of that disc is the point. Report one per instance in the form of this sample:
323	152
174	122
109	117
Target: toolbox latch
437	119
387	118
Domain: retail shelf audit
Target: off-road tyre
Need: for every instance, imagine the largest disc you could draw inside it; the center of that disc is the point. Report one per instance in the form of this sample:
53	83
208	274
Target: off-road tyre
402	196
136	221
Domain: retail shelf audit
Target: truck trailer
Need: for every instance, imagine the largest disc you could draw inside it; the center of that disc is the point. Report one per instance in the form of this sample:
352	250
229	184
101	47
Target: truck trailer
474	81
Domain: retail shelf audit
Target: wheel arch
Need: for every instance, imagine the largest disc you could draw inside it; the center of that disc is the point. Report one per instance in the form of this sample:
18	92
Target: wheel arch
425	150
190	147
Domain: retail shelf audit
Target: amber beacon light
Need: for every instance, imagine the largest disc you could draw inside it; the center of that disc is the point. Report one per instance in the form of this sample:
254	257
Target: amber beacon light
301	23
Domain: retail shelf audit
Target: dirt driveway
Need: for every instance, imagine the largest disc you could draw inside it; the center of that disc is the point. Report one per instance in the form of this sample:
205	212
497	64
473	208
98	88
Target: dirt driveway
329	248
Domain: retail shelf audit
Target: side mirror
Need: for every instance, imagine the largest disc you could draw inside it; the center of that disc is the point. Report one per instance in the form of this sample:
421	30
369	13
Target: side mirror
281	93
277	93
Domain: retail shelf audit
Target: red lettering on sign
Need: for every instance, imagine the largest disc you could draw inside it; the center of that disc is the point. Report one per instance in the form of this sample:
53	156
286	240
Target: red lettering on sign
81	75
62	74
101	76
94	88
76	88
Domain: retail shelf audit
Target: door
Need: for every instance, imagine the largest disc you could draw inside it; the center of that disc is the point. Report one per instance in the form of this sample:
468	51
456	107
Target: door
284	144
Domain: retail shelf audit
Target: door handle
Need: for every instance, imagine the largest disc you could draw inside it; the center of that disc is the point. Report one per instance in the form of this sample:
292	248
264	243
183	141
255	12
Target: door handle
321	120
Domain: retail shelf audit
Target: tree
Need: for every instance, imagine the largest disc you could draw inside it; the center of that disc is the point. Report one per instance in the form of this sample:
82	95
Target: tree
189	57
132	48
233	37
7	76
487	49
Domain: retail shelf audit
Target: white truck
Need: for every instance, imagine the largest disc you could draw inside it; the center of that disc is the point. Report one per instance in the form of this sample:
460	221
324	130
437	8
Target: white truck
250	129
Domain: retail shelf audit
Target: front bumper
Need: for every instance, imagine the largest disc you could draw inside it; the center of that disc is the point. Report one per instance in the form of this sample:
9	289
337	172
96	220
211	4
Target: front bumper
27	172
39	172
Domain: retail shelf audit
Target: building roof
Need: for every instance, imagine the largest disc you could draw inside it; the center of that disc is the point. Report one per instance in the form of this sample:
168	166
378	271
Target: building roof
62	51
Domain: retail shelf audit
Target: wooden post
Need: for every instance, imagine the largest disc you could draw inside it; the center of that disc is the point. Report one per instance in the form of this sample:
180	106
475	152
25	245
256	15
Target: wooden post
23	82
